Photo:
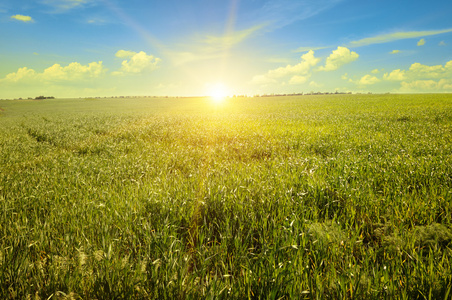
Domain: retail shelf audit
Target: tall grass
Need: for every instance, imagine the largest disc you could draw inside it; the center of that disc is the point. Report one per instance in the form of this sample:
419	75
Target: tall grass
311	197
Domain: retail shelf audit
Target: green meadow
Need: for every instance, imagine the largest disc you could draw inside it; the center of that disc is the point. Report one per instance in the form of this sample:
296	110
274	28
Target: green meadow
296	197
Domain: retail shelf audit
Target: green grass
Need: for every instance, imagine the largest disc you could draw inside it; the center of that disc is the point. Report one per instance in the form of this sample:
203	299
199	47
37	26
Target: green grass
308	197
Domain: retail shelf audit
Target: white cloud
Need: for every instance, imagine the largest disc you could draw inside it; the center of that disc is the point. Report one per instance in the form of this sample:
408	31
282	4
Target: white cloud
368	80
61	6
96	21
395	51
419	84
419	71
125	53
421	42
74	71
298	79
305	49
424	71
442	43
232	38
207	47
395	36
22	18
56	73
375	71
423	78
302	69
307	61
396	75
21	74
442	85
277	60
338	58
138	62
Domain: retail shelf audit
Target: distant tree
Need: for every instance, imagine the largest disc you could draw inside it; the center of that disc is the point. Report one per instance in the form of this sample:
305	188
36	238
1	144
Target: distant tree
44	97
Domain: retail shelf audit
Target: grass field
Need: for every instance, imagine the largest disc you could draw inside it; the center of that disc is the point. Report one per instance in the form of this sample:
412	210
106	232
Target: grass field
308	197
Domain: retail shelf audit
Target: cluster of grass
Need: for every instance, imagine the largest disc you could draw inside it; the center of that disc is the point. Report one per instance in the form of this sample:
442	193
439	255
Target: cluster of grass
308	197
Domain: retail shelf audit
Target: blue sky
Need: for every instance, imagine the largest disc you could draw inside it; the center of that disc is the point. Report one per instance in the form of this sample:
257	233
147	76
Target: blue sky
81	48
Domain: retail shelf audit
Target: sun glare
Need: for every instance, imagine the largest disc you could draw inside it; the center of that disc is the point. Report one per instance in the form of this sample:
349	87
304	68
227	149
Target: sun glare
218	92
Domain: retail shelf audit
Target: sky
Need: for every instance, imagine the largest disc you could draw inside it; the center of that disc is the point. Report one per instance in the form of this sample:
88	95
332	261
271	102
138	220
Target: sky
97	48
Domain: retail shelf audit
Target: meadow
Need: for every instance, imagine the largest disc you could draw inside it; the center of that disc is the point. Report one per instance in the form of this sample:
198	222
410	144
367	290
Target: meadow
296	197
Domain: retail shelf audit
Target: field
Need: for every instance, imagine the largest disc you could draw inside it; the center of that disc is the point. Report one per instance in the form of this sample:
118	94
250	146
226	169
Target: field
303	197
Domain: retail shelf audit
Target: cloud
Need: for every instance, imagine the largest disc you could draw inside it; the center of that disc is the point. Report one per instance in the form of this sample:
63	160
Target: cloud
307	61
61	6
368	80
443	85
305	49
96	21
232	38
338	58
302	69
442	43
396	75
395	51
298	79
125	53
423	78
22	18
73	71
390	37
419	71
277	60
21	74
137	63
211	46
56	73
424	71
375	71
421	42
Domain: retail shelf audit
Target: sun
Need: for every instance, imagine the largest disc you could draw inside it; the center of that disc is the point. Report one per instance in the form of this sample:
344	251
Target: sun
218	92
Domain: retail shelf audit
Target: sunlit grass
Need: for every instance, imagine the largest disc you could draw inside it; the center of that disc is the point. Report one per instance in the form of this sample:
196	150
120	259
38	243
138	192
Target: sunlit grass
287	197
